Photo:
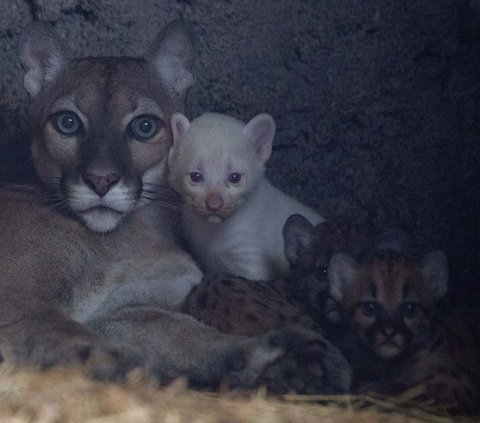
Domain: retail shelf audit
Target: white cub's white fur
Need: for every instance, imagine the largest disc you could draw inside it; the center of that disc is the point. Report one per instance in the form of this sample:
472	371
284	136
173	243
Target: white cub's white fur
232	216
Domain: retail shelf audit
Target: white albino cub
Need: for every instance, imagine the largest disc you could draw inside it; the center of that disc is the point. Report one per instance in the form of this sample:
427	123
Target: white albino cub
232	216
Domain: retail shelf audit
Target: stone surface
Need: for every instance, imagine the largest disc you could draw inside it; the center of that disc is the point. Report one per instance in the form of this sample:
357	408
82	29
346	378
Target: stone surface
376	102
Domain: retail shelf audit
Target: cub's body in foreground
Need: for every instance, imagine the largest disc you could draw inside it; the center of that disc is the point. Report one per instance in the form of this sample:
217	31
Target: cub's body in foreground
90	273
394	336
232	216
237	305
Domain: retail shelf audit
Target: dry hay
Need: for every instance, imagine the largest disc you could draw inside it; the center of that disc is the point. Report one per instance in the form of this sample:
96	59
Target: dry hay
64	395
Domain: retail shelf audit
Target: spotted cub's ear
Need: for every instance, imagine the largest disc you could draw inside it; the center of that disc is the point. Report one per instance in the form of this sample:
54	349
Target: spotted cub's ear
297	237
172	54
43	53
342	270
261	131
435	272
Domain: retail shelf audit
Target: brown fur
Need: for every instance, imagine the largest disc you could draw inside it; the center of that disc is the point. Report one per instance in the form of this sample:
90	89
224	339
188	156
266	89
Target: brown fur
244	307
388	306
91	275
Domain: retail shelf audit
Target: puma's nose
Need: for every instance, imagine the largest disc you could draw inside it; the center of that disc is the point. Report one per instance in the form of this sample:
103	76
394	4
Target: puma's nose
101	184
214	202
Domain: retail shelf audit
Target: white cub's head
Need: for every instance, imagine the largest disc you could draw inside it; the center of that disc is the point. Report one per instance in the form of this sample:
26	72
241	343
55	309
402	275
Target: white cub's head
216	160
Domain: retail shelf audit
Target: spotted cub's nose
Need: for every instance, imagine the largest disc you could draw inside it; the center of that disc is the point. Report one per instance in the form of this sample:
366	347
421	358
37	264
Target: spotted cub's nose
101	184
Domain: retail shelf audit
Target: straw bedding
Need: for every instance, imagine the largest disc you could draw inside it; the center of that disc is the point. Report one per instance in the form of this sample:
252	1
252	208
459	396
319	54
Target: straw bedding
65	395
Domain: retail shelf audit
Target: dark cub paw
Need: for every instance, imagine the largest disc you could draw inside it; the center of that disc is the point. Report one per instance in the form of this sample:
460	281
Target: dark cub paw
309	364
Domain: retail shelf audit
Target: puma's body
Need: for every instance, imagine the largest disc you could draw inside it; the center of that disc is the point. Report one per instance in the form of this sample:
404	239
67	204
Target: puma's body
90	272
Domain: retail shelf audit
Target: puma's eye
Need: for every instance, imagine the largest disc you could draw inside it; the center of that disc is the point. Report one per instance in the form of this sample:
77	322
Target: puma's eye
234	178
67	123
369	308
196	177
409	309
144	127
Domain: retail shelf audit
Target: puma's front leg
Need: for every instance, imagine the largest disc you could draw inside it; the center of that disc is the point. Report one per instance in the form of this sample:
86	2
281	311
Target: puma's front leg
177	345
42	337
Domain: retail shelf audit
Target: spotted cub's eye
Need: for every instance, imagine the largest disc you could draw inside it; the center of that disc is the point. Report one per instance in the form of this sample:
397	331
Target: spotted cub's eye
369	308
321	271
234	178
196	177
409	309
144	127
67	123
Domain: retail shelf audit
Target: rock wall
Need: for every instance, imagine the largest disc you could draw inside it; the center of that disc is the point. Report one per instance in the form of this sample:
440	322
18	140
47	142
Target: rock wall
376	102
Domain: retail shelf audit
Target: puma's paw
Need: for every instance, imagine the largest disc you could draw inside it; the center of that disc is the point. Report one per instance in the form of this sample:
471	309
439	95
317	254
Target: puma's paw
309	365
291	359
98	358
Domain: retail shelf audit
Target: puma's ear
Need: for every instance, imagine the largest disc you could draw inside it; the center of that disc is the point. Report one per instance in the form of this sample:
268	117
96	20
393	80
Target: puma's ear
261	131
179	124
43	53
297	236
172	54
435	272
341	273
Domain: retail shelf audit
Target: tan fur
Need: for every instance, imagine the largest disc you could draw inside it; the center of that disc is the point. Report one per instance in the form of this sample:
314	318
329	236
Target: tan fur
90	272
419	347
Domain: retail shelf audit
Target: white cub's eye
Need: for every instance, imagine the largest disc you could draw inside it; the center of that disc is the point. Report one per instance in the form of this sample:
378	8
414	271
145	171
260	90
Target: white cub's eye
144	127
67	123
196	177
234	178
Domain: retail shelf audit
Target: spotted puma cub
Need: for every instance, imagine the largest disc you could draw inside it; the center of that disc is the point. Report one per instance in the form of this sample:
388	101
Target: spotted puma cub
393	333
241	306
248	307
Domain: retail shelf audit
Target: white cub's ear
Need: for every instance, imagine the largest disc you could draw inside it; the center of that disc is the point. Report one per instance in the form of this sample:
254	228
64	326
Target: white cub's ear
43	53
297	237
435	272
261	131
172	54
180	125
342	270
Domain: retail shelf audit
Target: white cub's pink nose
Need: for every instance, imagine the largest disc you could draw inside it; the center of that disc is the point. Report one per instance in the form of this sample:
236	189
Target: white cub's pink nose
214	202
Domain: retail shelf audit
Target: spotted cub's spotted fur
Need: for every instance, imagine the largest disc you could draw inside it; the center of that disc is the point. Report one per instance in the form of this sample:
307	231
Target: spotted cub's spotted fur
393	333
242	306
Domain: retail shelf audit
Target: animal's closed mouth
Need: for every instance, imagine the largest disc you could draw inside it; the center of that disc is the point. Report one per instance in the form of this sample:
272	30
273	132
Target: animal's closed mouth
101	209
221	214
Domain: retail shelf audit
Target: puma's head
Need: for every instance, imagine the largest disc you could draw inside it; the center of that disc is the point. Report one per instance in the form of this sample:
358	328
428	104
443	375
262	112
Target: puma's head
100	126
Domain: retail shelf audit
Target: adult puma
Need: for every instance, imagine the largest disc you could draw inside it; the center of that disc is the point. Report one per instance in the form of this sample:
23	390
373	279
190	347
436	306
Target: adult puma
90	273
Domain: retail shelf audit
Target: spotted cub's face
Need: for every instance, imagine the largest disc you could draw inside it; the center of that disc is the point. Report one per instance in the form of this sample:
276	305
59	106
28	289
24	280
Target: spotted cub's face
101	125
387	299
